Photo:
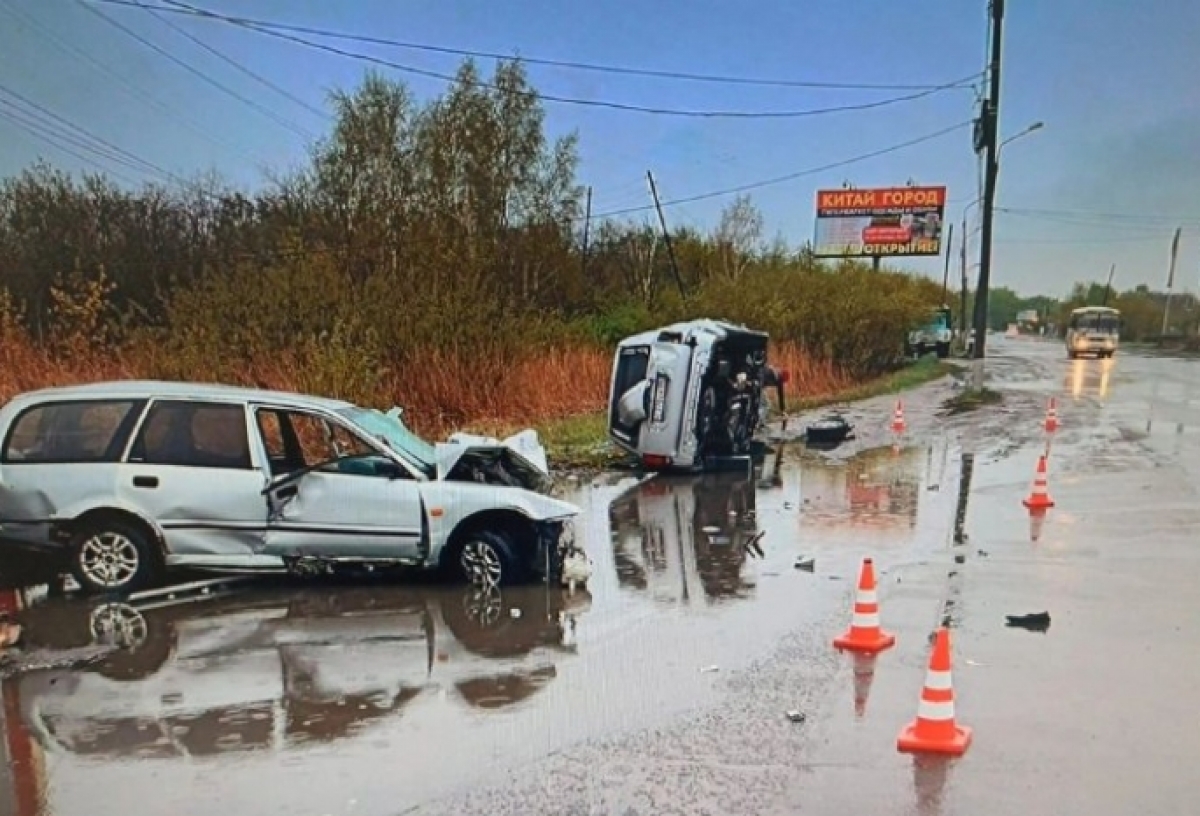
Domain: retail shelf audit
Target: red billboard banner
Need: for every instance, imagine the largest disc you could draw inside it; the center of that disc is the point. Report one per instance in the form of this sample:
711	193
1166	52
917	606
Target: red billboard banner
888	221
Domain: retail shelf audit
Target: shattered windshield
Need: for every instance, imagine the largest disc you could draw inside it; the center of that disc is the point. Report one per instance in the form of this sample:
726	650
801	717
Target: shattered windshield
391	429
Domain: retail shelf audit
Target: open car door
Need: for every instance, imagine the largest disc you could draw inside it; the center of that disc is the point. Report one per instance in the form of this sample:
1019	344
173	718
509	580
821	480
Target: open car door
334	494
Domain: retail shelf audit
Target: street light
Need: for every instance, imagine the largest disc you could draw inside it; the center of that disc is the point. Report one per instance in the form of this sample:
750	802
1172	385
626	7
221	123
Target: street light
1025	132
1036	126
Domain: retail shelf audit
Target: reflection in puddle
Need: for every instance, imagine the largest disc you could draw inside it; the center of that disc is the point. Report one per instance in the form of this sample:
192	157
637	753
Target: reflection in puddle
1090	378
687	539
877	488
272	670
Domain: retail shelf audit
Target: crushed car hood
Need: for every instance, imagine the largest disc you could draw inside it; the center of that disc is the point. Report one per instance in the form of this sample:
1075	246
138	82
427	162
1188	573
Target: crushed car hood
518	460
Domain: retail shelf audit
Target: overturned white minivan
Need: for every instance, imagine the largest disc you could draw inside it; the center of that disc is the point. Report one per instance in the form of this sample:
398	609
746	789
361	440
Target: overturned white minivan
688	394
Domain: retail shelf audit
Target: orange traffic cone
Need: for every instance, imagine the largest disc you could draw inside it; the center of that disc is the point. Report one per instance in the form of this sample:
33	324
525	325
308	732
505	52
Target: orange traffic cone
1039	498
898	424
865	634
1052	416
934	730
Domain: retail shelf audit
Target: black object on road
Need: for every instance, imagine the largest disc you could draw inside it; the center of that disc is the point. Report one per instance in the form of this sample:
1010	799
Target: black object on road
1037	622
828	432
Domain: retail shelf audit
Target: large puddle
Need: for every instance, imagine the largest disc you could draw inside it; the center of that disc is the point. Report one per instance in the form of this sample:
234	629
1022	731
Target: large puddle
368	698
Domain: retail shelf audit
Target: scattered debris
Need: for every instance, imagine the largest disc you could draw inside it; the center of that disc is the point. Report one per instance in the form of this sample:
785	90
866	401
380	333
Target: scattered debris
708	669
828	432
1036	622
960	559
514	613
753	547
806	563
974	663
982	552
576	570
796	716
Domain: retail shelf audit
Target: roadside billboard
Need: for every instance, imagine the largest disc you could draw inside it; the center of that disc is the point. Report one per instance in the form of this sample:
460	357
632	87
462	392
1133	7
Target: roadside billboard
890	221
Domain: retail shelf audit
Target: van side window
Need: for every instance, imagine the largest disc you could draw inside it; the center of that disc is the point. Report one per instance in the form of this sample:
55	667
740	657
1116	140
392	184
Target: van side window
71	432
193	434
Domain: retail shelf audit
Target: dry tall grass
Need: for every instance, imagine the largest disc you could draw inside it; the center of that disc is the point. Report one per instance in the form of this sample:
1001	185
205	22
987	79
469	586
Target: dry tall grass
442	392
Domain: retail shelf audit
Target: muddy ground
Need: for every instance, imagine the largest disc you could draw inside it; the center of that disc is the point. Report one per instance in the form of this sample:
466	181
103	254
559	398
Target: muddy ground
665	687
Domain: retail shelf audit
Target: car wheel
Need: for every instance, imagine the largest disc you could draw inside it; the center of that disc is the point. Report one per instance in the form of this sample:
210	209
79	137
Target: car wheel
113	557
943	350
487	558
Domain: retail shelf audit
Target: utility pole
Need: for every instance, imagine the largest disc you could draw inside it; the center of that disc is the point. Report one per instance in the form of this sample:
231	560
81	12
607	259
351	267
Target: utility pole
946	271
962	310
990	126
1170	282
1108	284
666	235
587	224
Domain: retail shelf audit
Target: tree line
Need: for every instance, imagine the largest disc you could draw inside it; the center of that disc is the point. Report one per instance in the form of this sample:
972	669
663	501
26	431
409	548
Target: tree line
449	228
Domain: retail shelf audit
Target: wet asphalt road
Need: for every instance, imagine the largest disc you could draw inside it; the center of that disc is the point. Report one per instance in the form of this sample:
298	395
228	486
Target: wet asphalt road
663	688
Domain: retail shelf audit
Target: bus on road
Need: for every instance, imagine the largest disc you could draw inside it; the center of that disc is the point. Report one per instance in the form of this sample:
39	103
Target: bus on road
1093	330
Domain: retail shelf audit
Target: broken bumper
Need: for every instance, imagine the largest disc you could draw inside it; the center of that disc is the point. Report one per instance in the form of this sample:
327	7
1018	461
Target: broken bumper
556	541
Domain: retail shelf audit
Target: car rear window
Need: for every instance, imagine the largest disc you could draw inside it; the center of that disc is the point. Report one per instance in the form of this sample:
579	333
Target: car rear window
67	432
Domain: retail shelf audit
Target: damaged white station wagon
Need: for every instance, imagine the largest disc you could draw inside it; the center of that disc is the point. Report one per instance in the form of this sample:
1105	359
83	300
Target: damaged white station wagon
126	480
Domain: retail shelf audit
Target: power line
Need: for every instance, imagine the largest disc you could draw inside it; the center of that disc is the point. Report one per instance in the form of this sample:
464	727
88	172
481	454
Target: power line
262	109
273	31
40	132
238	66
754	185
75	134
1125	239
686	76
1137	217
131	89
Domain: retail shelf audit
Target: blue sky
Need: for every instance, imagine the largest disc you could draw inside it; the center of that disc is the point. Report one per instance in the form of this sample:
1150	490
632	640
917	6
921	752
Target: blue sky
1113	82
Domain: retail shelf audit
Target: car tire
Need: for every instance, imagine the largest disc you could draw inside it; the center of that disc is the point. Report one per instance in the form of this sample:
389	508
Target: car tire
489	558
943	350
113	557
1071	355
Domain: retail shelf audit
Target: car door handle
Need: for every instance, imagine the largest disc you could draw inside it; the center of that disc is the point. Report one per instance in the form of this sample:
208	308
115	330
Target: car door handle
149	482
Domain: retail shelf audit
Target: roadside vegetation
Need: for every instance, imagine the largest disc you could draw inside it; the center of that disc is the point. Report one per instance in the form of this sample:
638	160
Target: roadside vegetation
429	254
969	400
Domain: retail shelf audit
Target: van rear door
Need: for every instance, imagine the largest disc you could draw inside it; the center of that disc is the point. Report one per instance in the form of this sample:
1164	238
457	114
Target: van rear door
670	367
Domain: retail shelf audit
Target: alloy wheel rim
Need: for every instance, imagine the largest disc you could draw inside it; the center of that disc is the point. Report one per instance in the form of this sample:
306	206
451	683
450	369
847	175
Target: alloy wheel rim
109	560
481	563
